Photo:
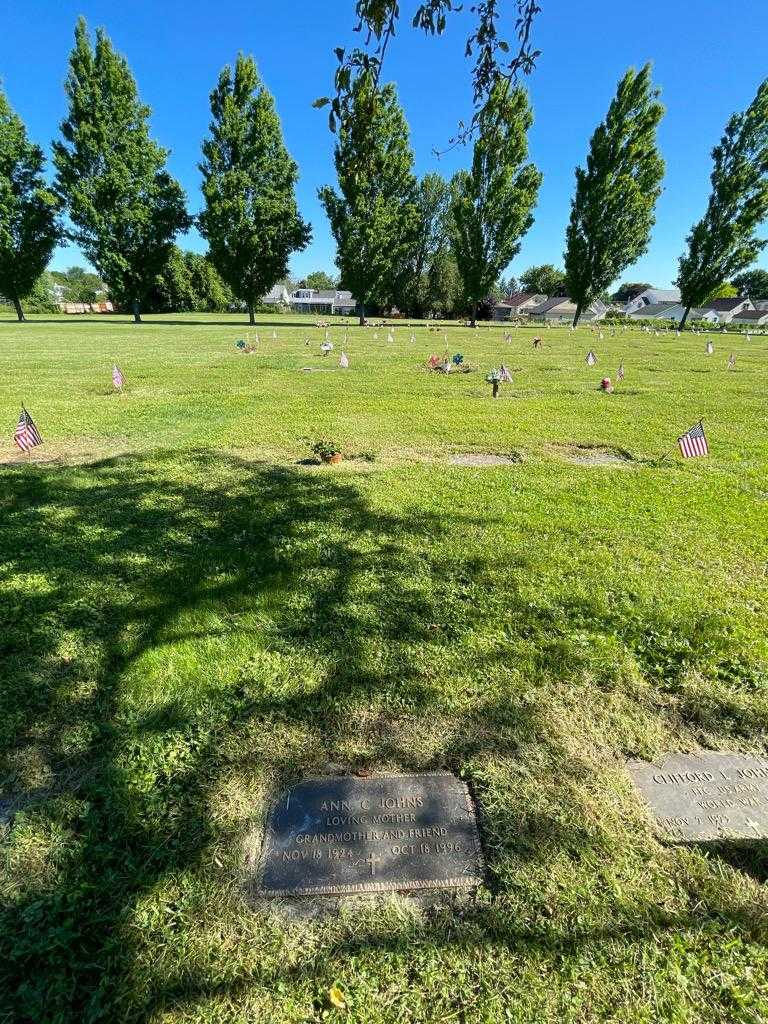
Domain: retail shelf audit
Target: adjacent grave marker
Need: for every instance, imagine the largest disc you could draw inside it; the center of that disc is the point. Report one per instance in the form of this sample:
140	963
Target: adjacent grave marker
706	797
348	834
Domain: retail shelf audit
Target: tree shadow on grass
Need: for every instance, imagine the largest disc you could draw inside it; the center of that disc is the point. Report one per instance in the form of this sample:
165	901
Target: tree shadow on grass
99	566
106	568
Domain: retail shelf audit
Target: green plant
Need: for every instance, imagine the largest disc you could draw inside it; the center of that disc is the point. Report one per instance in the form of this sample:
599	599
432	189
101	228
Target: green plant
325	449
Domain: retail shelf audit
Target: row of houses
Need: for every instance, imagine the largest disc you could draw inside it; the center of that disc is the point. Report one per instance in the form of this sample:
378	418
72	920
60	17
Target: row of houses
651	304
665	304
540	307
320	301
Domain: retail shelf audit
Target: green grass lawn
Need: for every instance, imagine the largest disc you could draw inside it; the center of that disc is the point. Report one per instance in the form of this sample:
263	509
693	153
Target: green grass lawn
190	618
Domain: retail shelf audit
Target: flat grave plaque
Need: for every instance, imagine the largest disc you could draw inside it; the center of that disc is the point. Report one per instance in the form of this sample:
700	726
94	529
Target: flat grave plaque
349	834
706	797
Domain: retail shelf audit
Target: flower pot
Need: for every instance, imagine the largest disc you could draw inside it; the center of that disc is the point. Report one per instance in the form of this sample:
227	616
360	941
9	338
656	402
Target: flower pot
334	459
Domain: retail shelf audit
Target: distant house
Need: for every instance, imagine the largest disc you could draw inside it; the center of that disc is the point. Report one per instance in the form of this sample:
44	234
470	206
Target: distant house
755	317
516	305
322	302
656	311
760	303
726	309
651	297
676	313
561	308
276	296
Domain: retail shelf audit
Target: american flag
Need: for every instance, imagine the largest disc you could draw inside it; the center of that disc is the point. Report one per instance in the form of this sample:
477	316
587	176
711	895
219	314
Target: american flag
26	434
710	348
731	361
117	378
344	361
620	372
504	374
591	358
693	442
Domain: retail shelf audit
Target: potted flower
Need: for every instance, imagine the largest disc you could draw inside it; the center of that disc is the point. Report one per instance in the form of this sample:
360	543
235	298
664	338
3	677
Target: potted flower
327	451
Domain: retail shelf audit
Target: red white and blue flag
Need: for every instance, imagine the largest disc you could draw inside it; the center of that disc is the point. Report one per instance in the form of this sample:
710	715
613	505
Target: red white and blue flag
26	434
693	442
117	378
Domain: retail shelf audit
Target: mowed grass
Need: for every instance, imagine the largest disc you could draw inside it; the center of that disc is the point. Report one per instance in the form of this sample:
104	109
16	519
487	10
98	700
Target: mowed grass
190	619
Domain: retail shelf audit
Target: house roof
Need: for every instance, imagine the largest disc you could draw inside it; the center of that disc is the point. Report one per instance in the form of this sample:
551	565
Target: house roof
518	298
751	314
275	294
655	309
548	304
699	313
656	295
724	305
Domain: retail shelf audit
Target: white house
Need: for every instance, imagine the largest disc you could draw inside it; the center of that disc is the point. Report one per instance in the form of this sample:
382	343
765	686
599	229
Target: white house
518	304
655	311
324	301
676	313
277	296
755	317
561	308
652	297
726	309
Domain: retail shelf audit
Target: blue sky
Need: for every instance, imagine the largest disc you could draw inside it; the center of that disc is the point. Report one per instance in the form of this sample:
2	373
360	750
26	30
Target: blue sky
707	61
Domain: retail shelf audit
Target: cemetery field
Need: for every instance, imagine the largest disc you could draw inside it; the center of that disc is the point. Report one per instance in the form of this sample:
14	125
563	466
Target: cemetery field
192	616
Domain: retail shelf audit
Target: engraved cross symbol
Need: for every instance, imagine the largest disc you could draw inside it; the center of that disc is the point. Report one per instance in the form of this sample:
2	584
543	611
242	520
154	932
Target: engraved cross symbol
371	860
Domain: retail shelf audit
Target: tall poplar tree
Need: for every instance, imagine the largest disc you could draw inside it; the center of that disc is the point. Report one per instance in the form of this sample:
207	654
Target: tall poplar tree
612	212
29	225
251	220
433	201
124	206
723	242
493	202
375	218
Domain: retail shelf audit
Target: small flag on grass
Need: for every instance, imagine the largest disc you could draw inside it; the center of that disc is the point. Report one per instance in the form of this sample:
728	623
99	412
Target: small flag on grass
731	361
591	358
710	348
26	434
693	442
620	372
117	378
504	374
344	361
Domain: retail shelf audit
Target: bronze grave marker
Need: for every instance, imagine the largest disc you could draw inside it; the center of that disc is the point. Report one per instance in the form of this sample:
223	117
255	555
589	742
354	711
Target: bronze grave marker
391	832
706	797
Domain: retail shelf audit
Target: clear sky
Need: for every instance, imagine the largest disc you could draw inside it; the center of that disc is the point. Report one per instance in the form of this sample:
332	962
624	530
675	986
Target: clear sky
707	56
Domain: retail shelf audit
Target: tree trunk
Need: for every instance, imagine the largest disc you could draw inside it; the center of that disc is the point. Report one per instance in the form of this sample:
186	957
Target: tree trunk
251	317
577	314
361	309
681	325
136	311
19	310
474	319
